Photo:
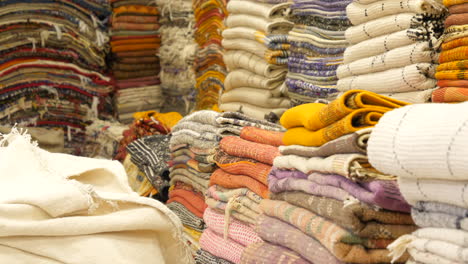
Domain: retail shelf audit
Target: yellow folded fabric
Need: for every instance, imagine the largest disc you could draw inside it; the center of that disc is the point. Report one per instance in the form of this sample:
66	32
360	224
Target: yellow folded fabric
315	116
192	233
356	120
168	119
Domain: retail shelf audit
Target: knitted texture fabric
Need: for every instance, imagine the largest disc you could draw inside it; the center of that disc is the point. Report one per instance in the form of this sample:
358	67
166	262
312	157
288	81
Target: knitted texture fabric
205	257
227	180
453	65
240	120
439	215
341	243
263	252
239	147
262	136
450	95
217	246
238	210
192	200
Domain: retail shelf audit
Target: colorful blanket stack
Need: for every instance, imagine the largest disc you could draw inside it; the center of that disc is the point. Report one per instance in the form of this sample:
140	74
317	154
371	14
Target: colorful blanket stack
177	55
392	48
135	41
237	186
52	67
317	46
256	44
450	74
327	204
425	146
209	65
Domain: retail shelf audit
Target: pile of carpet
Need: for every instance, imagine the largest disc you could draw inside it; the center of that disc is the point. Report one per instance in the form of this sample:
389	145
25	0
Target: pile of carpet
317	45
392	48
177	55
135	42
52	67
425	146
327	204
209	65
257	48
450	74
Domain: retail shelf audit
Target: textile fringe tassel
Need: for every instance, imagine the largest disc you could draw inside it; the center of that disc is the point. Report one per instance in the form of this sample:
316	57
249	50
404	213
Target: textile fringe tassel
399	246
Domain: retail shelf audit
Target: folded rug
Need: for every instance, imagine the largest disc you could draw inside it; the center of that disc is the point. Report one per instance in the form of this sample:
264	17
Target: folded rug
239	147
205	257
257	97
263	252
341	243
232	181
278	232
198	184
193	201
240	120
351	143
223	248
262	136
238	59
439	215
358	218
450	95
440	152
253	110
243	78
193	141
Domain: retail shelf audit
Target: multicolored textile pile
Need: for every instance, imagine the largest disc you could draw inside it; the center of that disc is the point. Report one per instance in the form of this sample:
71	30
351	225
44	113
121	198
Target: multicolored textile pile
209	65
425	147
317	45
327	204
452	84
52	67
135	42
392	48
103	138
177	55
257	48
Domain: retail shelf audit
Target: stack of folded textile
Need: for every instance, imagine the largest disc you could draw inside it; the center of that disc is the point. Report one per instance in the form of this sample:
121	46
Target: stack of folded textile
317	45
193	139
256	44
209	65
135	42
392	48
452	81
327	204
237	186
52	67
425	146
103	138
177	55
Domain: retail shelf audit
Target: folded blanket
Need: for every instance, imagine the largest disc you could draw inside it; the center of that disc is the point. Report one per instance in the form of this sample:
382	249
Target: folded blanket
262	136
452	75
351	143
439	215
416	97
459	42
269	26
263	252
186	217
450	95
359	219
205	257
232	181
198	184
254	47
236	209
458	8
223	194
383	194
243	78
258	9
316	116
239	147
195	140
441	152
223	248
361	13
253	110
257	97
415	77
240	120
278	232
233	229
193	201
239	59
453	65
455	19
341	243
207	117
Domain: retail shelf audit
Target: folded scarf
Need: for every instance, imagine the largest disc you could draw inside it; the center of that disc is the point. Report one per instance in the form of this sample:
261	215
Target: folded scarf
186	217
262	136
278	232
452	75
240	120
359	219
233	229
453	65
415	77
342	244
223	248
316	116
263	252
237	210
358	13
254	47
257	9
238	59
383	194
205	257
439	215
450	95
198	184
193	201
257	97
232	181
223	194
458	8
242	166
239	147
253	110
440	152
269	26
396	58
351	143
243	78
456	19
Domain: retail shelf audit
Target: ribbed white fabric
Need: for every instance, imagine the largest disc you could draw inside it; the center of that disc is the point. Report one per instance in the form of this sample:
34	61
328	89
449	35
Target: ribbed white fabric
257	97
453	236
258	9
376	46
360	13
243	78
429	258
238	59
241	33
251	110
395	58
317	41
269	26
378	27
250	46
421	142
418	97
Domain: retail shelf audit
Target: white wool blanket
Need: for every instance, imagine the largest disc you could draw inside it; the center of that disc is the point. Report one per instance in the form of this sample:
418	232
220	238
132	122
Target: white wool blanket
257	97
395	58
57	208
239	59
423	141
242	33
316	40
258	9
251	110
360	13
250	46
415	77
268	26
243	78
417	97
